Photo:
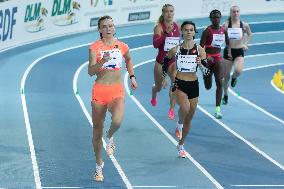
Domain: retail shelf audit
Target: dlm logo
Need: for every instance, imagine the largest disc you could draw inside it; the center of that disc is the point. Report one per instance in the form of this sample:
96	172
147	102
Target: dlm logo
94	3
35	17
65	12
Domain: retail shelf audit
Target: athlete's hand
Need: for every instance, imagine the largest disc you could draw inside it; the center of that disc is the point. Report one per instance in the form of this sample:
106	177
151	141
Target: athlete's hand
133	83
170	28
106	57
198	60
210	59
245	47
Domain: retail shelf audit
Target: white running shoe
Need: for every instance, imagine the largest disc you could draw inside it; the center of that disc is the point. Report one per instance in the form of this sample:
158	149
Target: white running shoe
110	147
98	176
178	131
181	151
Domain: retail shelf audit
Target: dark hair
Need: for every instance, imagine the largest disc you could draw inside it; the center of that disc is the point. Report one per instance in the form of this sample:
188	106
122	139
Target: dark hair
161	18
100	20
215	11
188	23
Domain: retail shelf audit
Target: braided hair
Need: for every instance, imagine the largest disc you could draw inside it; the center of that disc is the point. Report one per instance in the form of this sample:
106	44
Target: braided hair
213	12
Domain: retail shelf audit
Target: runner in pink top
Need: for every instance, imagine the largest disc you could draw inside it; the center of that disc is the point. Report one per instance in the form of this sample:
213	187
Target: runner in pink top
166	36
212	39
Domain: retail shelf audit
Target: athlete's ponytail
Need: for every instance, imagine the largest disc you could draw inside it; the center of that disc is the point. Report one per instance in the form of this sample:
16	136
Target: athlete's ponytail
161	18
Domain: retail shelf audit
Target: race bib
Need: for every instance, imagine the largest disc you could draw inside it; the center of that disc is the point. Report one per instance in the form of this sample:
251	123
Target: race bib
186	63
115	61
171	42
218	40
235	33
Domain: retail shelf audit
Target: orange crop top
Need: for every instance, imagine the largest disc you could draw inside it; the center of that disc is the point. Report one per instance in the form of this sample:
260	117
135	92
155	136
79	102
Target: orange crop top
116	52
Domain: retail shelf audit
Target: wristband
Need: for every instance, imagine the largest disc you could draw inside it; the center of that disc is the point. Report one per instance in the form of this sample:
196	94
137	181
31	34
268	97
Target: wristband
132	76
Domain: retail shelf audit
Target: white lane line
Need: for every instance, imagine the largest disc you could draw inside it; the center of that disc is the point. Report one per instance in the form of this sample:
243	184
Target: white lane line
31	143
26	114
255	185
264	54
154	186
113	159
268	32
242	138
205	112
266	43
202	169
22	89
136	35
254	105
276	88
64	187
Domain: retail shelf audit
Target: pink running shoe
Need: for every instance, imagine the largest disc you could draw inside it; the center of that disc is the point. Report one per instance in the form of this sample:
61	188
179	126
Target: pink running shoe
154	101
171	114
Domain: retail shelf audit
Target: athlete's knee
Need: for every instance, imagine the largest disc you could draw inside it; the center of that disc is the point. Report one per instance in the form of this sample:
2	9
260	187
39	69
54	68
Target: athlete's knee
185	110
219	84
238	72
116	122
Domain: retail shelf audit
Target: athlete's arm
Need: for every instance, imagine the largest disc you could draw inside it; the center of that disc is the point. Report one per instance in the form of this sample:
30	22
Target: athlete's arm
249	33
158	37
130	70
203	38
227	40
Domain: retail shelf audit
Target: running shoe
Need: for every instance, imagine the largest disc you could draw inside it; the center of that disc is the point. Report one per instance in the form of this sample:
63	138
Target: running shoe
110	147
171	114
234	82
225	100
154	101
181	151
218	115
98	176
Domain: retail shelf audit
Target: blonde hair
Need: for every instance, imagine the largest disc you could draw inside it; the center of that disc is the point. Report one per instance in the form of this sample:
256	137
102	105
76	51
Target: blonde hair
161	18
231	10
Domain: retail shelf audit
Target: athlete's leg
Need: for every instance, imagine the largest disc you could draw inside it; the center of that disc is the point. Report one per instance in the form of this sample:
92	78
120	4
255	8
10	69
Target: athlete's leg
238	68
208	79
116	108
188	118
158	79
227	67
172	75
218	80
98	118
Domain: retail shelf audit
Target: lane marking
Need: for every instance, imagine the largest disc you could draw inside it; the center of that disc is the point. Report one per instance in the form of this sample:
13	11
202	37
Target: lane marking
157	124
205	112
113	159
22	89
276	88
135	35
154	186
254	105
257	185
